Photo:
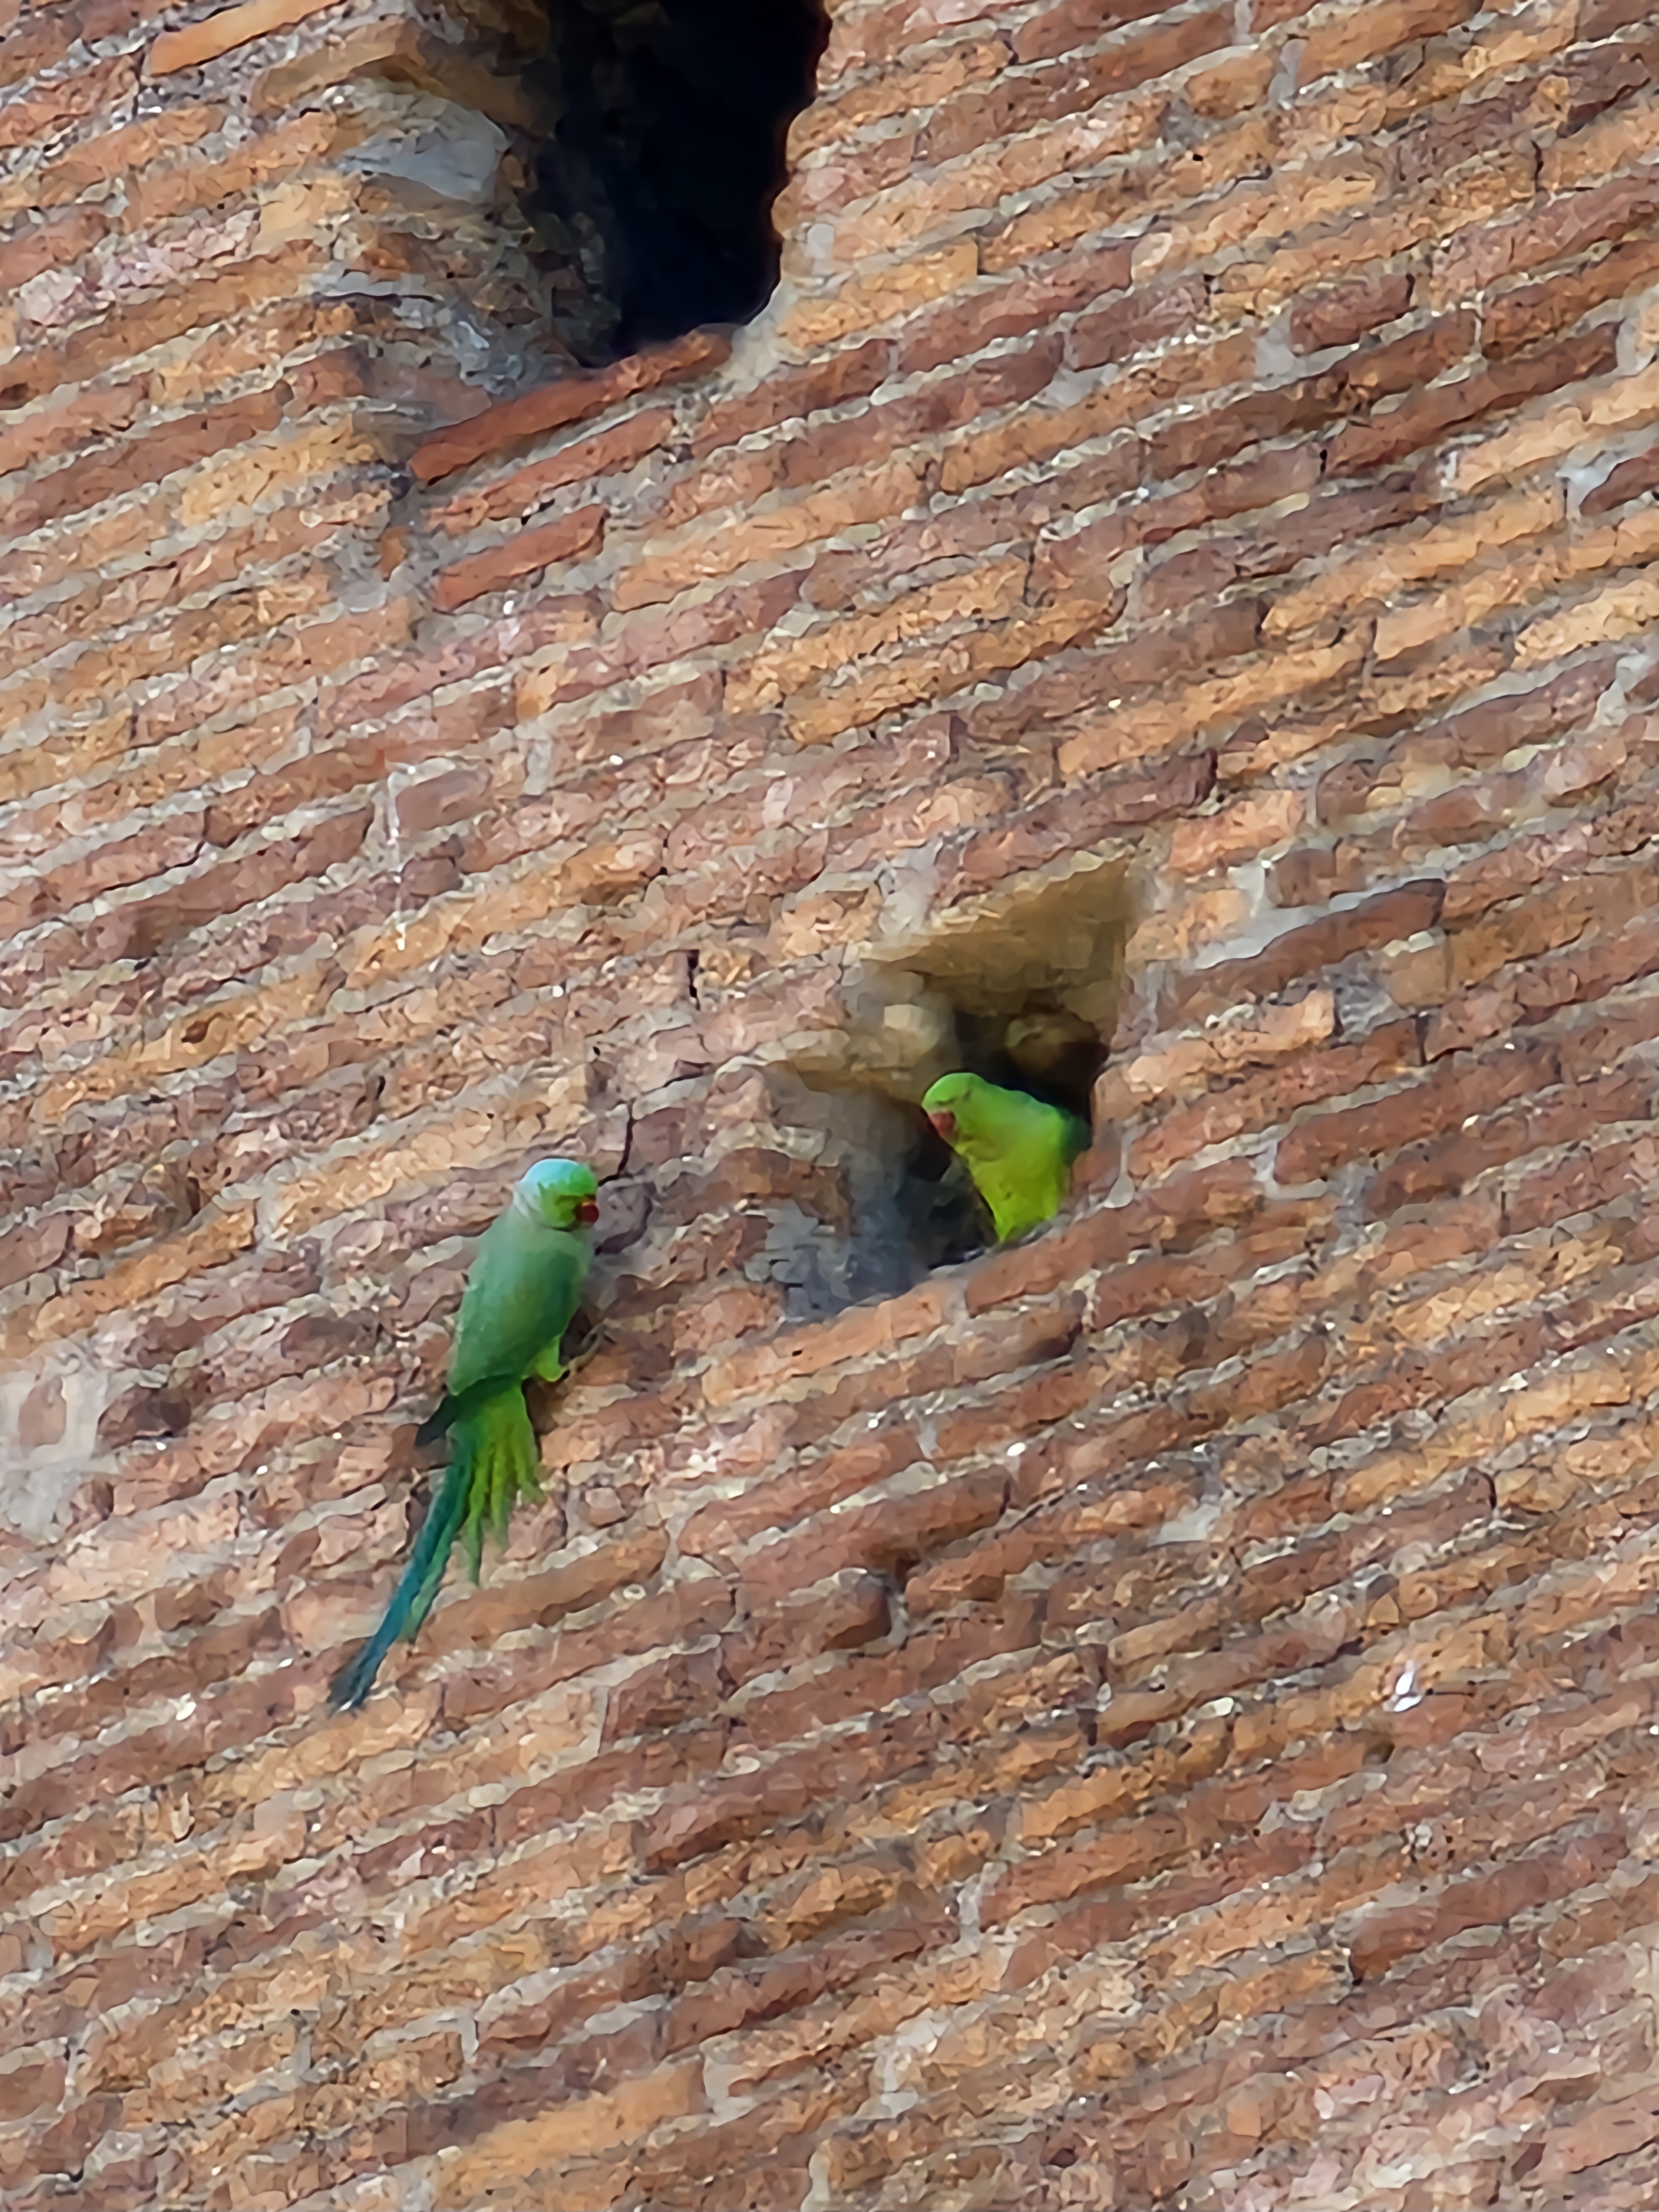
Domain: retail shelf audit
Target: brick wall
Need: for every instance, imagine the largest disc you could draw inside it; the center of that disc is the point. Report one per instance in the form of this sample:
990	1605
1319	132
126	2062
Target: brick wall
1162	1715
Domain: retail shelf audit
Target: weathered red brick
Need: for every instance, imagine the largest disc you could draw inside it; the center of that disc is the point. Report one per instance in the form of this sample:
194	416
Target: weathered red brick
547	546
1368	374
1361	34
890	1535
512	423
1531	312
1335	518
959	327
1442	1099
1490	1901
1172	311
1471	400
1061	29
1348	311
1562	225
124	333
1372	924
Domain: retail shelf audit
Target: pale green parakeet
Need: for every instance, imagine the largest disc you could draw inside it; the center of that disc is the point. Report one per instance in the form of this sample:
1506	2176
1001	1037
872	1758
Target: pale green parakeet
520	1297
1018	1150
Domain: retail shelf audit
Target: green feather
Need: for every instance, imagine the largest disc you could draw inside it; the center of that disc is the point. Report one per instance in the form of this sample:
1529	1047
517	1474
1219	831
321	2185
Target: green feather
520	1297
1018	1150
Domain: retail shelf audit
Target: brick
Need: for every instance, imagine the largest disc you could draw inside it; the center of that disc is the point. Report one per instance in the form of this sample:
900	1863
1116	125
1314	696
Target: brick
1631	479
1369	374
1628	401
1118	1857
1445	1098
64	177
1362	34
1081	817
144	460
889	1536
574	2125
50	244
1157	725
1152	317
1171	1070
1373	923
824	710
1233	87
1491	1901
1569	224
1379	229
1402	559
499	428
227	27
1454	1164
785	1789
971	319
1182	1212
713	551
1490	391
525	490
1263	1101
1036	434
1348	311
863	303
547	546
33	51
1618	612
261	161
398	50
1332	520
65	429
1529	312
40	112
839	112
903	208
856	1610
1058	30
1240	832
124	333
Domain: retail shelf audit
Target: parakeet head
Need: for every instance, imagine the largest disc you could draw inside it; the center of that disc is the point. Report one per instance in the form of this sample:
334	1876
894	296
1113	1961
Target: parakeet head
561	1192
952	1095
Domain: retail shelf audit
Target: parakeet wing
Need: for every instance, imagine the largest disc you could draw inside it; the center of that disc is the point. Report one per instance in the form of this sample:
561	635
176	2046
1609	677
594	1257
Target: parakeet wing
520	1297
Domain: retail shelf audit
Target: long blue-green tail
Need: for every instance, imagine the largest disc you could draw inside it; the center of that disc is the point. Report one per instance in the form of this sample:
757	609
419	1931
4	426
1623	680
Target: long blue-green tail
492	1458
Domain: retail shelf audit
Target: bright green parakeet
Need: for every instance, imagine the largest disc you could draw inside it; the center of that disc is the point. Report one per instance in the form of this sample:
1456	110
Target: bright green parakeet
1018	1150
520	1299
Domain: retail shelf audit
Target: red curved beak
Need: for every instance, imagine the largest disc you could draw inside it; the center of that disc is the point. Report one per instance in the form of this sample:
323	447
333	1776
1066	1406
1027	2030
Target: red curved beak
946	1122
588	1210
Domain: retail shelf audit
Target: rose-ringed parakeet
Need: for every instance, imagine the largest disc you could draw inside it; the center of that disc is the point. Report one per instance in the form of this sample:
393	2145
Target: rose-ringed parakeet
520	1297
1018	1150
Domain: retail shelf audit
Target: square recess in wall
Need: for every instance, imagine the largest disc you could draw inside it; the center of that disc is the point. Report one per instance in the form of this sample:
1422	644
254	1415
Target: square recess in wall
1021	987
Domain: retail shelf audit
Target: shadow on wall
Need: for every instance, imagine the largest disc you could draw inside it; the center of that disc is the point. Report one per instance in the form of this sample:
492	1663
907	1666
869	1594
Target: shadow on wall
651	202
1021	989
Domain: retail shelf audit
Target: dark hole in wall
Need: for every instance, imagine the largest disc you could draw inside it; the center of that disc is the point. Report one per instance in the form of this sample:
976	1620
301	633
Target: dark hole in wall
1023	993
651	200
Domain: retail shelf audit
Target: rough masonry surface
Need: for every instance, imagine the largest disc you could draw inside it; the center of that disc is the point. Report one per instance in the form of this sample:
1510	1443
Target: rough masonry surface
1164	1715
